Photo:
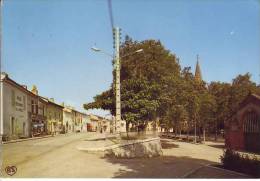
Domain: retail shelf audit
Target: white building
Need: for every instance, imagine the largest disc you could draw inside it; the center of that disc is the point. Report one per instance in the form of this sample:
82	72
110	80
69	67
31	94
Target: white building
14	114
94	123
68	119
85	122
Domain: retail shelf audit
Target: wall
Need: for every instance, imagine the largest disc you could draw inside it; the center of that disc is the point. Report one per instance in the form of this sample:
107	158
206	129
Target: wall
140	148
67	118
54	118
15	107
234	135
85	121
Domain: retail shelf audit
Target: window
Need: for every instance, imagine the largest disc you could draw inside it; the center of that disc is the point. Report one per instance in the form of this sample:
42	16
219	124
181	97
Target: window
13	98
12	125
251	123
32	106
36	108
24	106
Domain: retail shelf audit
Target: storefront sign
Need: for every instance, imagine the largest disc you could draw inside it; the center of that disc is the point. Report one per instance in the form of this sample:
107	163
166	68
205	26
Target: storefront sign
20	103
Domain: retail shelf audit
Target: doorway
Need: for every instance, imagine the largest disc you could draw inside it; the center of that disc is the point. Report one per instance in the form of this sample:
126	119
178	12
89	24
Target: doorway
12	125
251	129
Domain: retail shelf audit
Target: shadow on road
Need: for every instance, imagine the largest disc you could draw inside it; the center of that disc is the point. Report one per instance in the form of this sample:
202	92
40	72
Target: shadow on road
168	144
157	167
217	146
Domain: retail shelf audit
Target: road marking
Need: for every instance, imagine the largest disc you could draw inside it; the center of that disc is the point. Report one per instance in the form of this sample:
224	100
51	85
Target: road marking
226	170
193	171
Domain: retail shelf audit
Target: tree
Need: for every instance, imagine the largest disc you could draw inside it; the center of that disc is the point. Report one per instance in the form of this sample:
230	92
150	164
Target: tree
147	82
221	94
206	111
241	87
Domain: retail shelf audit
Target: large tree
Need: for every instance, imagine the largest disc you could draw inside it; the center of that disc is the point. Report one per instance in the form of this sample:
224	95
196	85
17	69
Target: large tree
147	82
153	86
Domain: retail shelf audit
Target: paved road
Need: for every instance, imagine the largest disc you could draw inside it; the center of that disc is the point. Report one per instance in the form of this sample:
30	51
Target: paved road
59	157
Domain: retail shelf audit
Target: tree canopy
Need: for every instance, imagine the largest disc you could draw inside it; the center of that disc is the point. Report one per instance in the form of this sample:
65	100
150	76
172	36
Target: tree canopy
153	85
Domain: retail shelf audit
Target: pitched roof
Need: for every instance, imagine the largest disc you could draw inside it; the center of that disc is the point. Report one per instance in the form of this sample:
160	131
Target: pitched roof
7	79
250	98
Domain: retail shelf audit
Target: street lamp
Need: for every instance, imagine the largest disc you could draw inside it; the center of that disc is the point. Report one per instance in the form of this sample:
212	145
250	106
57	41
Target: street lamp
95	49
117	67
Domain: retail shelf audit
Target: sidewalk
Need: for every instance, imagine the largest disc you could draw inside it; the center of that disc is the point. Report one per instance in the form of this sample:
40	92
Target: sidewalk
27	139
100	136
35	138
208	171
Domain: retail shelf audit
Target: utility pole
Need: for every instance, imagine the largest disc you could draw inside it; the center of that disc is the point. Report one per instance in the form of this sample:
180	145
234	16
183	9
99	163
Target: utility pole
195	140
1	94
116	33
1	84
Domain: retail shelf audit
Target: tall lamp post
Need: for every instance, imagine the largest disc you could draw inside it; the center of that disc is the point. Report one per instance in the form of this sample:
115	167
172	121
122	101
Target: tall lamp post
117	68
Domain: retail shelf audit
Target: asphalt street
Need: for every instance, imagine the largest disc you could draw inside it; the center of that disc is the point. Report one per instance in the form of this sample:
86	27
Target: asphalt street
58	157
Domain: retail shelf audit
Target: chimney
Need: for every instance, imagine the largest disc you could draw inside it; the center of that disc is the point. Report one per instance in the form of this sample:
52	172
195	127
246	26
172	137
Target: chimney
34	90
25	86
3	75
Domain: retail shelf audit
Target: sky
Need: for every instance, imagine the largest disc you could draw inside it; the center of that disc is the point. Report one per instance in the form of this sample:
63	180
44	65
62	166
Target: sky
47	42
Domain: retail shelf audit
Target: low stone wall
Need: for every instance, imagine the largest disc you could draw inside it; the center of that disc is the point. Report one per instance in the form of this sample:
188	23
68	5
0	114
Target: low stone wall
134	149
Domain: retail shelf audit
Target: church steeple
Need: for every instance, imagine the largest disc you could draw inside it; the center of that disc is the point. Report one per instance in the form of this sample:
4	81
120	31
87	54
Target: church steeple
198	76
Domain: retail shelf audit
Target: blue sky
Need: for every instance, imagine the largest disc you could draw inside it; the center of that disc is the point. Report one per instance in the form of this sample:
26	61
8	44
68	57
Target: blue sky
47	42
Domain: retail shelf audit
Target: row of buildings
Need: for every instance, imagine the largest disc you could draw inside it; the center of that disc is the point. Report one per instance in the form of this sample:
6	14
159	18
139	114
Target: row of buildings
24	114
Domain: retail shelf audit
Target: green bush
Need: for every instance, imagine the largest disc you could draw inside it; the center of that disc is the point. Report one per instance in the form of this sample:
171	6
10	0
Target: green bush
241	163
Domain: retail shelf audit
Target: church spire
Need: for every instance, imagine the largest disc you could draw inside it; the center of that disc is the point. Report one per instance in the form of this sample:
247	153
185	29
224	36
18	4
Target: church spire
198	76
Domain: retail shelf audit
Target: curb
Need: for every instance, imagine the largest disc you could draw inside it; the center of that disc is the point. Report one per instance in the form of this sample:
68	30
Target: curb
231	171
217	168
27	139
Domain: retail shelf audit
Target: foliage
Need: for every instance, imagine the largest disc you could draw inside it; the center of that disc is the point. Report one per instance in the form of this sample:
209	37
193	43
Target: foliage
235	161
153	85
147	81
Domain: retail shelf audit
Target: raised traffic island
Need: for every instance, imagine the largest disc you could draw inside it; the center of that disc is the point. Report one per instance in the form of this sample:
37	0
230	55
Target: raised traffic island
149	147
135	148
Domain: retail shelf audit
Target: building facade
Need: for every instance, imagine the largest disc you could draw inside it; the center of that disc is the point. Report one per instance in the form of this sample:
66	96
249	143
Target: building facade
85	122
242	130
14	117
78	121
54	117
94	123
68	119
37	113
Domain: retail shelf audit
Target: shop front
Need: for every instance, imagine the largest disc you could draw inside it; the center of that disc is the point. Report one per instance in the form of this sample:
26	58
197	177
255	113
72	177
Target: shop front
38	126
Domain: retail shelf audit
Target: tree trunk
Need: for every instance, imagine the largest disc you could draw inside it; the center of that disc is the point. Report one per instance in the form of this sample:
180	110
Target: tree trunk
188	132
195	140
216	132
199	132
204	136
